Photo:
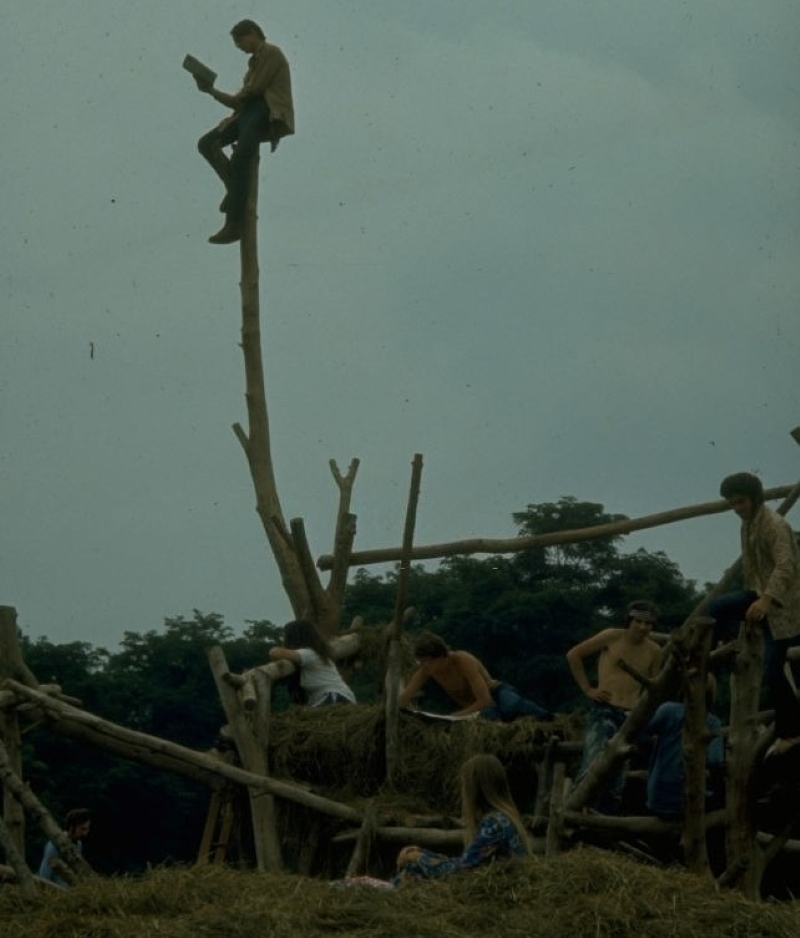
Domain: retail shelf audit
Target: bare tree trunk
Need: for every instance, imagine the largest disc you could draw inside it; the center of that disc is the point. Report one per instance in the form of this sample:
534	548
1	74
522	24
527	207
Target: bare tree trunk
300	581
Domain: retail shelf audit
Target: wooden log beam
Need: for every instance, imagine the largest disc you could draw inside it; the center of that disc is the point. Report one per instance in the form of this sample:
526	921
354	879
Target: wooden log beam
643	825
254	759
743	740
430	837
695	738
512	545
395	658
359	861
16	859
343	646
139	747
11	663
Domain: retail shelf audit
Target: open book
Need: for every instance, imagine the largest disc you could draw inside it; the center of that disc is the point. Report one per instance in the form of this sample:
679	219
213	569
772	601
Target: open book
200	71
427	715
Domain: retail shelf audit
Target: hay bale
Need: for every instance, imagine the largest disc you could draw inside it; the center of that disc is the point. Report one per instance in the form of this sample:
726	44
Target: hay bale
340	750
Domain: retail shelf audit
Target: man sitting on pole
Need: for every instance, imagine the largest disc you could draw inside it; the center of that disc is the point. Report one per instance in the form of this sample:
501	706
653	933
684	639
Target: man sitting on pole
262	110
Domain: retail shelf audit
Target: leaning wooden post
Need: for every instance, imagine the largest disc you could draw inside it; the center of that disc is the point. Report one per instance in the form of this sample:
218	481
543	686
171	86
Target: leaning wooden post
742	849
695	747
253	758
360	859
14	784
15	859
12	666
395	650
555	823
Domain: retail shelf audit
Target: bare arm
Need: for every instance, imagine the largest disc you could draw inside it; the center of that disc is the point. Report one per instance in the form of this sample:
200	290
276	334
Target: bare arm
285	654
470	669
415	684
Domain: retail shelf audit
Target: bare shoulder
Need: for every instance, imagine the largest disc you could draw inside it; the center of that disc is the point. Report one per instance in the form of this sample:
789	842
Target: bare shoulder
464	660
598	642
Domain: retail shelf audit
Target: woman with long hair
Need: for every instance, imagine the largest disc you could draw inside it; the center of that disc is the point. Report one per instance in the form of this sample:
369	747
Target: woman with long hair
320	684
493	828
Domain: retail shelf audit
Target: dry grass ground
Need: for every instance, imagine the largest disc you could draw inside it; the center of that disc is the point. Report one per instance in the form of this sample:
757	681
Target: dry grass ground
583	894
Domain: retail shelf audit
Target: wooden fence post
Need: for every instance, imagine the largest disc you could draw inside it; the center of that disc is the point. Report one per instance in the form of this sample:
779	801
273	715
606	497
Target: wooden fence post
393	755
254	759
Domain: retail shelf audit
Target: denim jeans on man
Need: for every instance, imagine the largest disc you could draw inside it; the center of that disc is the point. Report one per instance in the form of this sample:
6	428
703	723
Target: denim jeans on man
248	129
510	704
602	722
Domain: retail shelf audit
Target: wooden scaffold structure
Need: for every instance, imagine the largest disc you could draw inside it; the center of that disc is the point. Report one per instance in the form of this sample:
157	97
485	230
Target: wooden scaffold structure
558	811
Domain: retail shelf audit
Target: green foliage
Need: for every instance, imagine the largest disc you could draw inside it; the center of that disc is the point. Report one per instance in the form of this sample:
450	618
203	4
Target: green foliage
518	613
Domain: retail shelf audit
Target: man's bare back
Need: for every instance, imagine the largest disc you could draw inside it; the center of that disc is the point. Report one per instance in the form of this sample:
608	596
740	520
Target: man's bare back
460	675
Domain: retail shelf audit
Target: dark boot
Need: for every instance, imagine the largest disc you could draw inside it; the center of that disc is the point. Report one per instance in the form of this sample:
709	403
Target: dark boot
230	232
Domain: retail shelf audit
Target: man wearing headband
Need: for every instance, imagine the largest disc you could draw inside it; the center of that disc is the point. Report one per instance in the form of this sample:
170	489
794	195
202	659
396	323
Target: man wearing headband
616	692
770	599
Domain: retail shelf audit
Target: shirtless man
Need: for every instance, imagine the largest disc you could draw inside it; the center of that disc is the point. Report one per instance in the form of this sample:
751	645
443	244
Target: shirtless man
466	681
616	692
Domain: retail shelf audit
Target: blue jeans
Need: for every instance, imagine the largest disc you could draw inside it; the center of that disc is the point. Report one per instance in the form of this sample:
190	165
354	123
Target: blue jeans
602	722
248	129
509	704
729	610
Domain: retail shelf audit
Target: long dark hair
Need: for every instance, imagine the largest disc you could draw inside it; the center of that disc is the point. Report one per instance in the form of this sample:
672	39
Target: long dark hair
301	633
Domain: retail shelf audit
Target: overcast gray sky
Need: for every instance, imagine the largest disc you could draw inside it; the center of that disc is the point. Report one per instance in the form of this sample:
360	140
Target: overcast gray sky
552	245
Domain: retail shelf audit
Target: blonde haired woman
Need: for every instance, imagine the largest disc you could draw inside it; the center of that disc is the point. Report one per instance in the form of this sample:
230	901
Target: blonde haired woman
493	826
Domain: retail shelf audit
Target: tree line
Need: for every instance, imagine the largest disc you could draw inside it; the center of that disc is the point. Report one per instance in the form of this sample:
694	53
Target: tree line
519	614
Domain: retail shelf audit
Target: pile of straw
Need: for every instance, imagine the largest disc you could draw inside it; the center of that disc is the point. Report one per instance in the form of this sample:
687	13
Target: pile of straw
582	893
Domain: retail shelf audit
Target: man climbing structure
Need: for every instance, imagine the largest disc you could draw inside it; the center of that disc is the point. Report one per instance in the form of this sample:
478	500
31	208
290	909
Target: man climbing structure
262	110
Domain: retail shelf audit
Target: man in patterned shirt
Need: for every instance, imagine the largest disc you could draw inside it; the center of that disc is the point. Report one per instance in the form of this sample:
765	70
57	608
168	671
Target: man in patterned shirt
771	597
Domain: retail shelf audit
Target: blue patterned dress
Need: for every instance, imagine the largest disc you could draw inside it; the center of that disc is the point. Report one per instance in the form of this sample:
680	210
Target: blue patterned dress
495	839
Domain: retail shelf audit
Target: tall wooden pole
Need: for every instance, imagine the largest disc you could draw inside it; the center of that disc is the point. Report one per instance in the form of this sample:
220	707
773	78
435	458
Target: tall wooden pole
394	657
695	746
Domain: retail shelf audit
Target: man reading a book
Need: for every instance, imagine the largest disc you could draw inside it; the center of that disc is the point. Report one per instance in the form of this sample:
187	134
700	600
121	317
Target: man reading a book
262	110
467	682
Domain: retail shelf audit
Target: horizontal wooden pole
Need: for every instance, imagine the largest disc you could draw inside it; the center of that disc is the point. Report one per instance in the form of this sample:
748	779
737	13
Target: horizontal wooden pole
140	747
511	545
